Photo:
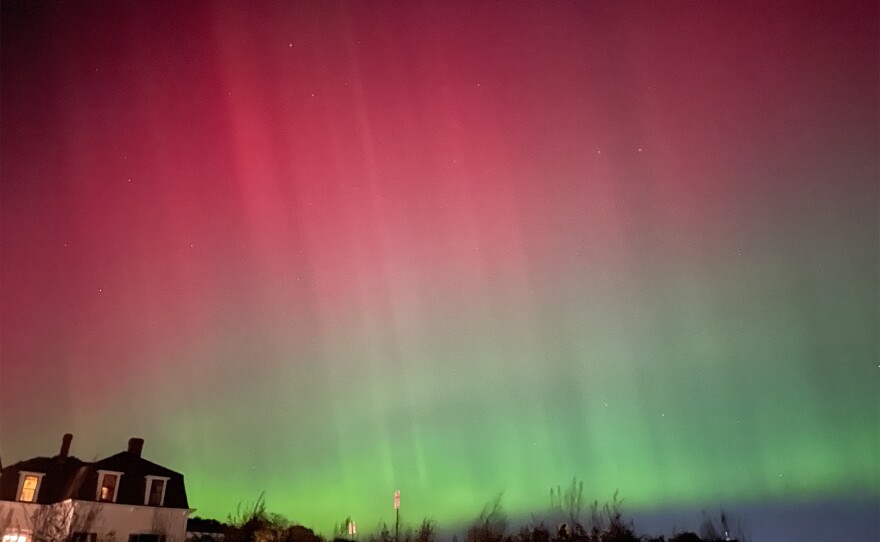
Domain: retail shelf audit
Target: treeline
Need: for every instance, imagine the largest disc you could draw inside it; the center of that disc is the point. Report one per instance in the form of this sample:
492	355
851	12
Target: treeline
573	521
604	523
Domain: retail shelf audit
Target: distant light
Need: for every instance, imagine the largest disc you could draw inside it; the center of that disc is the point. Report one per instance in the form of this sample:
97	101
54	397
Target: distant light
16	537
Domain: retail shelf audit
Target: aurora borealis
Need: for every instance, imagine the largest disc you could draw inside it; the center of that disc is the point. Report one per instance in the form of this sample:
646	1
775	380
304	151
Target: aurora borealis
330	250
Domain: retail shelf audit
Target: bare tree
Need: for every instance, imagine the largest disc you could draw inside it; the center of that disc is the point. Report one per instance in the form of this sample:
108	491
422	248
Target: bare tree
58	522
491	525
51	522
722	531
254	523
159	526
570	504
340	530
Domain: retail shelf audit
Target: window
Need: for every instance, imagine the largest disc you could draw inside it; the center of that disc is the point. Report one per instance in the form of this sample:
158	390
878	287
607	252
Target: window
146	538
155	494
108	485
29	486
84	537
16	535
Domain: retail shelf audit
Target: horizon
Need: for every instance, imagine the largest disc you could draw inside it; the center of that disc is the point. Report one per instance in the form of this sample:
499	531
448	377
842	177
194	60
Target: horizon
811	518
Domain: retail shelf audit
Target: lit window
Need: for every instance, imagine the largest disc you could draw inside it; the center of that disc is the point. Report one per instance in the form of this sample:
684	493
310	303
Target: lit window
108	485
29	486
16	535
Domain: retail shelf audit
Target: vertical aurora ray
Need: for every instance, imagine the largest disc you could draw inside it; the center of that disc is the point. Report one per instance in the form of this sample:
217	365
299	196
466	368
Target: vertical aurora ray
330	251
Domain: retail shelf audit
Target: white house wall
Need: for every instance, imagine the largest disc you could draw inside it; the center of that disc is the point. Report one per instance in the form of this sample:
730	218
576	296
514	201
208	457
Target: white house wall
122	520
112	522
16	515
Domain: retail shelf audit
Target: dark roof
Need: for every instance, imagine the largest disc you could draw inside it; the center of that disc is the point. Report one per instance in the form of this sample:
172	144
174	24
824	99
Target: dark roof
129	462
70	478
63	476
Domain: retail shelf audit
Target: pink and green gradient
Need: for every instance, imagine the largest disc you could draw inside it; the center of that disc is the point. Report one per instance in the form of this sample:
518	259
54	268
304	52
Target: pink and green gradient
333	250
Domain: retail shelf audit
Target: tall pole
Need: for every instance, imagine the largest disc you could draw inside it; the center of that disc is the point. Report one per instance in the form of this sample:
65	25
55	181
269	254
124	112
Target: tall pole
397	516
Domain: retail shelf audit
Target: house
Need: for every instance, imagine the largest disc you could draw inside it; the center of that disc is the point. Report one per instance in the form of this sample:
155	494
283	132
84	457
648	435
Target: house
121	498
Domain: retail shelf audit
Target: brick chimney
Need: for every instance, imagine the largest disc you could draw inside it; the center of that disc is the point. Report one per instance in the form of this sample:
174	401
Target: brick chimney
135	446
65	445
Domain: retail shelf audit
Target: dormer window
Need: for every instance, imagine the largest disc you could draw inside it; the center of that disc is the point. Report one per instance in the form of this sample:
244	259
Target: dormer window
155	494
108	485
29	486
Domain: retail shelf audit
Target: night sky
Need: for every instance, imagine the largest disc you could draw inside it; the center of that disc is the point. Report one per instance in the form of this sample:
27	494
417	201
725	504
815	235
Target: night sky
330	250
